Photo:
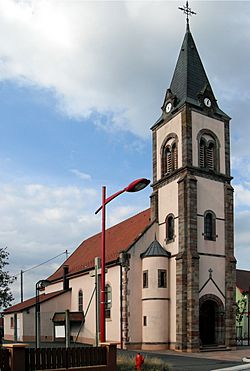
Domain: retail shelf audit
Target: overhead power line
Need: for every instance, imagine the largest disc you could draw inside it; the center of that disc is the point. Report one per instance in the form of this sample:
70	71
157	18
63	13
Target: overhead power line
45	262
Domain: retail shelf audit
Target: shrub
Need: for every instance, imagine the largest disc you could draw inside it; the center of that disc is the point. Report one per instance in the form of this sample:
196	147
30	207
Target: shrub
126	362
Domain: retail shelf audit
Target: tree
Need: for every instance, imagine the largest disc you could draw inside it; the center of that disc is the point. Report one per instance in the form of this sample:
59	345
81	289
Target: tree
241	305
6	280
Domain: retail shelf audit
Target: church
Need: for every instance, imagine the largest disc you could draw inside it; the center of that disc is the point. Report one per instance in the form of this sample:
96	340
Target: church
171	270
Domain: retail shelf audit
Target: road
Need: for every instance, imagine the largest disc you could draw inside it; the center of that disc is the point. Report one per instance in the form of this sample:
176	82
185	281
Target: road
181	362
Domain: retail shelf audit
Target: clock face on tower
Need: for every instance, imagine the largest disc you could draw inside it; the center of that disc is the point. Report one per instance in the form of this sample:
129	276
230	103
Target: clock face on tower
168	107
207	102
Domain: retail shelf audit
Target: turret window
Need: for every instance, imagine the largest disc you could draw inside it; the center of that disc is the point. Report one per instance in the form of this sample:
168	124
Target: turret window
169	156
145	279
170	228
209	226
208	152
162	278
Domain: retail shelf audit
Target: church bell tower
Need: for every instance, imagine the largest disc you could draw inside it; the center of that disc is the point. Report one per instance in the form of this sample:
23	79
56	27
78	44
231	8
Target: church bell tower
192	204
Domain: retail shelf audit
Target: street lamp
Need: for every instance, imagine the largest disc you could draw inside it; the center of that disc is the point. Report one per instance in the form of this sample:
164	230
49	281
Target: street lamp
248	309
39	286
135	186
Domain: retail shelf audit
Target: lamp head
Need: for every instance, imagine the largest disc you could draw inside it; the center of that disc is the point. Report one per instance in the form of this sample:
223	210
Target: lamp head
137	185
42	284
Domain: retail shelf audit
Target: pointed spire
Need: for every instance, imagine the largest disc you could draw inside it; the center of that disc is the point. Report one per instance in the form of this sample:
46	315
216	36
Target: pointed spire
190	83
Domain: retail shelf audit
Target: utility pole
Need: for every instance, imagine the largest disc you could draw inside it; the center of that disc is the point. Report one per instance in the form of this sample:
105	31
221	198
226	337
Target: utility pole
21	285
97	273
248	309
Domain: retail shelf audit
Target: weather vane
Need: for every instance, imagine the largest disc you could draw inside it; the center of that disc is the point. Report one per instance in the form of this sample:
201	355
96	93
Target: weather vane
188	11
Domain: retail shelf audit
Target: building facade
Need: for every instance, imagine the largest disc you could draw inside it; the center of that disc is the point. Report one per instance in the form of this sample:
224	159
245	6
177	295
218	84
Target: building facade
171	275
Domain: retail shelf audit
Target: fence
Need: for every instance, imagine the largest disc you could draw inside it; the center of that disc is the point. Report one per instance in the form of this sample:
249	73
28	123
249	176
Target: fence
53	358
4	359
16	357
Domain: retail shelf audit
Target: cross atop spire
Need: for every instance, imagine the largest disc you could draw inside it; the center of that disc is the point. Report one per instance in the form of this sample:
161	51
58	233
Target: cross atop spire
188	11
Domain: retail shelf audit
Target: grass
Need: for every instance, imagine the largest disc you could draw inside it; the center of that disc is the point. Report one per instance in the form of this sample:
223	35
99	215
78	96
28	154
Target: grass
127	363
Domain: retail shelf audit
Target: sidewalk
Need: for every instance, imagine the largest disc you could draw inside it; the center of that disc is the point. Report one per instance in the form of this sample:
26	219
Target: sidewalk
230	355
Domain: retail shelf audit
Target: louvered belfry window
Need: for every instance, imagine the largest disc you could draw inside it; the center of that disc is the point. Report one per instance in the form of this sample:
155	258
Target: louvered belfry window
174	156
202	153
207	153
210	156
169	157
168	160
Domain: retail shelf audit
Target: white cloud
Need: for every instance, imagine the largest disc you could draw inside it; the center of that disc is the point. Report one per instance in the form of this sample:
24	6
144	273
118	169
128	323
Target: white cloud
242	195
113	58
80	174
122	212
39	222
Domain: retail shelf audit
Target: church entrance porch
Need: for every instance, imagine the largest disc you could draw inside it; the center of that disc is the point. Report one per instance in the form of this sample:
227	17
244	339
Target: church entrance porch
211	321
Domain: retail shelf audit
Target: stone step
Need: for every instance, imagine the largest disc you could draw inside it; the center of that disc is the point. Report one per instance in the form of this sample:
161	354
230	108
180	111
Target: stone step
214	348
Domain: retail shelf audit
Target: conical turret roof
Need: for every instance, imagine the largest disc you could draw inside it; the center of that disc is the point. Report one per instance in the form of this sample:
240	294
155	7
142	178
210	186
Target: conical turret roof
155	249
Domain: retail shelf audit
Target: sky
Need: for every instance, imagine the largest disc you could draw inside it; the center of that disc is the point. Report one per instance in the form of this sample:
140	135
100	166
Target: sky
81	83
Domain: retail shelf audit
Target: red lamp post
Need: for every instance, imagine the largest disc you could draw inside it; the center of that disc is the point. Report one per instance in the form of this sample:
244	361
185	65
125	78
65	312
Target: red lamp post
135	186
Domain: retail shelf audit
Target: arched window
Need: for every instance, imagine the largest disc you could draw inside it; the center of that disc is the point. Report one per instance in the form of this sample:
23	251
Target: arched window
169	156
80	301
209	225
170	228
208	152
108	301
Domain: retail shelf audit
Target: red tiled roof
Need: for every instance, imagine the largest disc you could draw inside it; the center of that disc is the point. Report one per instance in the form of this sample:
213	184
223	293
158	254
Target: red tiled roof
118	238
32	301
243	279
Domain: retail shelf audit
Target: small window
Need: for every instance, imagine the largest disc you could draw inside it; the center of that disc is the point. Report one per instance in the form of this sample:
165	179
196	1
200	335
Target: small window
80	301
145	279
108	301
11	322
144	320
162	278
170	228
209	226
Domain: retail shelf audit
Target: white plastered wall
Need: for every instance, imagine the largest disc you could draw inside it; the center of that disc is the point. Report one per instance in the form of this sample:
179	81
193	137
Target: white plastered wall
54	287
155	302
58	304
218	267
87	284
173	126
210	196
200	122
135	285
168	204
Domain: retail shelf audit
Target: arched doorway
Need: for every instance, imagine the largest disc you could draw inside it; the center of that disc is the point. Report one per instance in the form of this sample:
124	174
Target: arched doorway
211	321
